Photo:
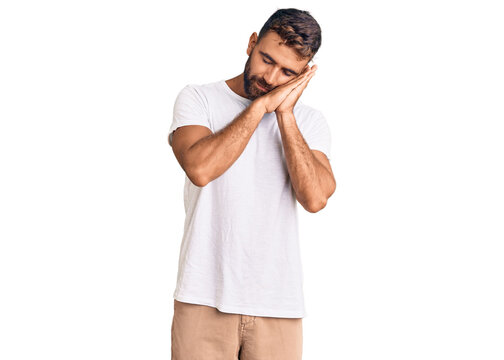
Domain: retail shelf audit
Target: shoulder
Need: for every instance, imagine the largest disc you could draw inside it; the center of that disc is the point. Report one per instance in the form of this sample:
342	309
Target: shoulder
200	92
201	89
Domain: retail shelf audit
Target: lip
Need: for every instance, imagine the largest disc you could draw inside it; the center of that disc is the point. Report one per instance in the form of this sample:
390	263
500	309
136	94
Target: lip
260	87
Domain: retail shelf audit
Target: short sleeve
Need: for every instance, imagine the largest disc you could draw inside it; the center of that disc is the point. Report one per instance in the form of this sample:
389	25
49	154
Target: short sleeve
316	132
189	109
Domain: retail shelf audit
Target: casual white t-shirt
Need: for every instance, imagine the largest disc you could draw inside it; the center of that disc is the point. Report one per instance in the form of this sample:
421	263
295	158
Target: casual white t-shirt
240	249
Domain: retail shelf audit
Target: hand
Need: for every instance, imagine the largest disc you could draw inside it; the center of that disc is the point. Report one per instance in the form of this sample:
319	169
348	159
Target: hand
275	97
287	106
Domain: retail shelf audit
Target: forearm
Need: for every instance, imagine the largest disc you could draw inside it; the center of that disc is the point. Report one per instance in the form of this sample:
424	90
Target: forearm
310	179
214	154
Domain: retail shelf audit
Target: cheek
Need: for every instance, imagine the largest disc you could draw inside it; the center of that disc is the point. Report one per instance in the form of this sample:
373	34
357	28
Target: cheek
258	67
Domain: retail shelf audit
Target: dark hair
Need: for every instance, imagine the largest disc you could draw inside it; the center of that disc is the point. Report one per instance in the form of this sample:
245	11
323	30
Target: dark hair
298	30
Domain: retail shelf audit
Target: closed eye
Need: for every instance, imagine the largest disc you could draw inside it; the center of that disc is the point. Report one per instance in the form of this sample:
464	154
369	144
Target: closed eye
286	73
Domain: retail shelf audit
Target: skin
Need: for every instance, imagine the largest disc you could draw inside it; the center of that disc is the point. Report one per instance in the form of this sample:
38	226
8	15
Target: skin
259	70
310	171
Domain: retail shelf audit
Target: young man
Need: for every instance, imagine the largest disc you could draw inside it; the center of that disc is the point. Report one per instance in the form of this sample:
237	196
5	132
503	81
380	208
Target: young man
250	150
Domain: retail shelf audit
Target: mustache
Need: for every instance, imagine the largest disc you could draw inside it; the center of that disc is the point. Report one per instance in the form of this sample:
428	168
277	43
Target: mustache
267	87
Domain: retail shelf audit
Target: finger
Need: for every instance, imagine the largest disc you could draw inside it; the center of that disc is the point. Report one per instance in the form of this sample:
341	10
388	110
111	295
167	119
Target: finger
301	87
305	80
302	77
298	79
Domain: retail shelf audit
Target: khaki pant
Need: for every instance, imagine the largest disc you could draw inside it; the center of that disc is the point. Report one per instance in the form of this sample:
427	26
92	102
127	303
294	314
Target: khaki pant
201	332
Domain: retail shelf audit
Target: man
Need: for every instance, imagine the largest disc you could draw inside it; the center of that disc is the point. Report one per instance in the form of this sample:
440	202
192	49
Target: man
250	150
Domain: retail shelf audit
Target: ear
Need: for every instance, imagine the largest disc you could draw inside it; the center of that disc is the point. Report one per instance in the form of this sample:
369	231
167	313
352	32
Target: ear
252	43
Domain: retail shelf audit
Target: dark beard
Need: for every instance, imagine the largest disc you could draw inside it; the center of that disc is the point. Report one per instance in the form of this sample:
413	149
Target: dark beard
248	82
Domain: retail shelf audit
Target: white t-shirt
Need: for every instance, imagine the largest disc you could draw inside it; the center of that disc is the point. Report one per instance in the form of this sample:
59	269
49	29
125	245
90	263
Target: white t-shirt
240	249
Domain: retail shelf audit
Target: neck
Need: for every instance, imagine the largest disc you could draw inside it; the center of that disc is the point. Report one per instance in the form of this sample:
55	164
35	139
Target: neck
237	85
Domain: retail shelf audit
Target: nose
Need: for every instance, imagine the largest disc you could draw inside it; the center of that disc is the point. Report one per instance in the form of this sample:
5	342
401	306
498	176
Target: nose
270	78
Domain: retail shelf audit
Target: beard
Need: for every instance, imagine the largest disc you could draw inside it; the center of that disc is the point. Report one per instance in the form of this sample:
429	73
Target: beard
250	81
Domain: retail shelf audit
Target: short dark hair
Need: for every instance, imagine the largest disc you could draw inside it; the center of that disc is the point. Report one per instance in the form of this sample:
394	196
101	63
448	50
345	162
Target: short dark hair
298	30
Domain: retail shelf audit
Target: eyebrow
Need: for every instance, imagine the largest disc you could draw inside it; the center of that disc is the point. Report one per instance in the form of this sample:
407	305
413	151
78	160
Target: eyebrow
273	60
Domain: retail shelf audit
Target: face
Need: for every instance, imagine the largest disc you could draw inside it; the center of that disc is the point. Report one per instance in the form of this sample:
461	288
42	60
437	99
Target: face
270	64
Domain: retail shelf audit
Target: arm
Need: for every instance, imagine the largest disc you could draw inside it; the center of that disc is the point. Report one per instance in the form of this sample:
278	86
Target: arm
312	182
212	155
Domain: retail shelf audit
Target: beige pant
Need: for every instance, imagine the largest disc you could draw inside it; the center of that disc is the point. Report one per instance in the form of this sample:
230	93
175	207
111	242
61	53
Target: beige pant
201	332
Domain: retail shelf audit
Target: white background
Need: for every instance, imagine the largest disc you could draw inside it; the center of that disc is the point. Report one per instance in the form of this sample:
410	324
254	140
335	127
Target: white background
404	262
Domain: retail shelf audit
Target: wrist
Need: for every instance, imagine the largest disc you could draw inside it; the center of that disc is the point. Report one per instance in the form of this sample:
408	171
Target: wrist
258	106
285	114
286	118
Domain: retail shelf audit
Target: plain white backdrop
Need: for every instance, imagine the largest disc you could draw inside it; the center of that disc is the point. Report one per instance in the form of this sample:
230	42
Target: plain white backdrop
404	262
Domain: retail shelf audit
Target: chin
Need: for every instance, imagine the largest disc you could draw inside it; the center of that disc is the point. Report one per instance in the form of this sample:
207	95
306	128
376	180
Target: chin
252	95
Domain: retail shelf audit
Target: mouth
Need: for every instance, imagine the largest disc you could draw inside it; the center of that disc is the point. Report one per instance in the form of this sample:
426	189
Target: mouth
261	88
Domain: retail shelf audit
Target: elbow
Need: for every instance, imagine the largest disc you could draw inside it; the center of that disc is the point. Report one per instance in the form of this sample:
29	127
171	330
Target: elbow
198	182
197	177
316	206
333	187
320	203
